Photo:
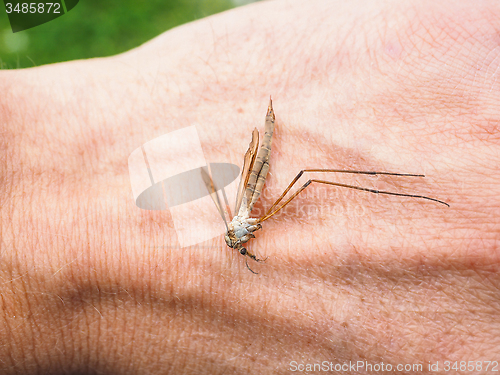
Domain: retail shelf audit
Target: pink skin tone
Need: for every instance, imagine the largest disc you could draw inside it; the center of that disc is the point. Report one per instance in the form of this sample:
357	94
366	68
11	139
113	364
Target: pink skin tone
91	283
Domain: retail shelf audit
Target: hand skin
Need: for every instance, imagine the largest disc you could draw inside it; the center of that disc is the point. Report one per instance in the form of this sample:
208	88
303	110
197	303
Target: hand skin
92	284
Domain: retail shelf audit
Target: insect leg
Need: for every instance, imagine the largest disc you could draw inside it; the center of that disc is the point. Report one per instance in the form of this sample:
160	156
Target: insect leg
336	171
267	216
213	193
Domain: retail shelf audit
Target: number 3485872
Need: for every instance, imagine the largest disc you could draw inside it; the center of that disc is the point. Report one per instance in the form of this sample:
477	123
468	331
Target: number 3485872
33	7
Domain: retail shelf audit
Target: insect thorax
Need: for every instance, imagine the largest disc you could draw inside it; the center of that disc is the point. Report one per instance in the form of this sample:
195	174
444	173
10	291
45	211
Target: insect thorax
240	230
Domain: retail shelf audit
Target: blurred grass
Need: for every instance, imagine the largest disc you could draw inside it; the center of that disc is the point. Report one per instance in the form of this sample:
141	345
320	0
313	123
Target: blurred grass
98	28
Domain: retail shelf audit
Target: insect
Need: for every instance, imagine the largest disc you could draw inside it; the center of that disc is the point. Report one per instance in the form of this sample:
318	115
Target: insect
255	168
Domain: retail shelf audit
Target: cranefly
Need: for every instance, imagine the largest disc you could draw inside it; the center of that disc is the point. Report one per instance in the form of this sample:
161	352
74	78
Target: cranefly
255	167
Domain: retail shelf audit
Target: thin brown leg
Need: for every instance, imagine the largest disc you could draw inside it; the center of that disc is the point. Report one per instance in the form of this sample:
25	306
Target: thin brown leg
335	171
267	216
213	193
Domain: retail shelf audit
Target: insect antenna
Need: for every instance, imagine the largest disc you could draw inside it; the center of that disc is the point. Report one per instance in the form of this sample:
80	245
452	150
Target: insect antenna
251	270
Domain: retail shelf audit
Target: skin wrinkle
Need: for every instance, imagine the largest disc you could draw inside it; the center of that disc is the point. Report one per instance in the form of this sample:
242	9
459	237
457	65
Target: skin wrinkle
431	82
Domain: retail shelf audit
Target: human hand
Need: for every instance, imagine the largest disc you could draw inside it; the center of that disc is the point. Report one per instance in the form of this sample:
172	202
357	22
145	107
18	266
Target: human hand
90	283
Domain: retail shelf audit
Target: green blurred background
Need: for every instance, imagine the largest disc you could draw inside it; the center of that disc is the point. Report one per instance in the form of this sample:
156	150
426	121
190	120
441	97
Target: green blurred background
99	28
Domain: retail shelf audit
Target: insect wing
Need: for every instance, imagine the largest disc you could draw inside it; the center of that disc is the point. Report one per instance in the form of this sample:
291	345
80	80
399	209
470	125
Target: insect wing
247	168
